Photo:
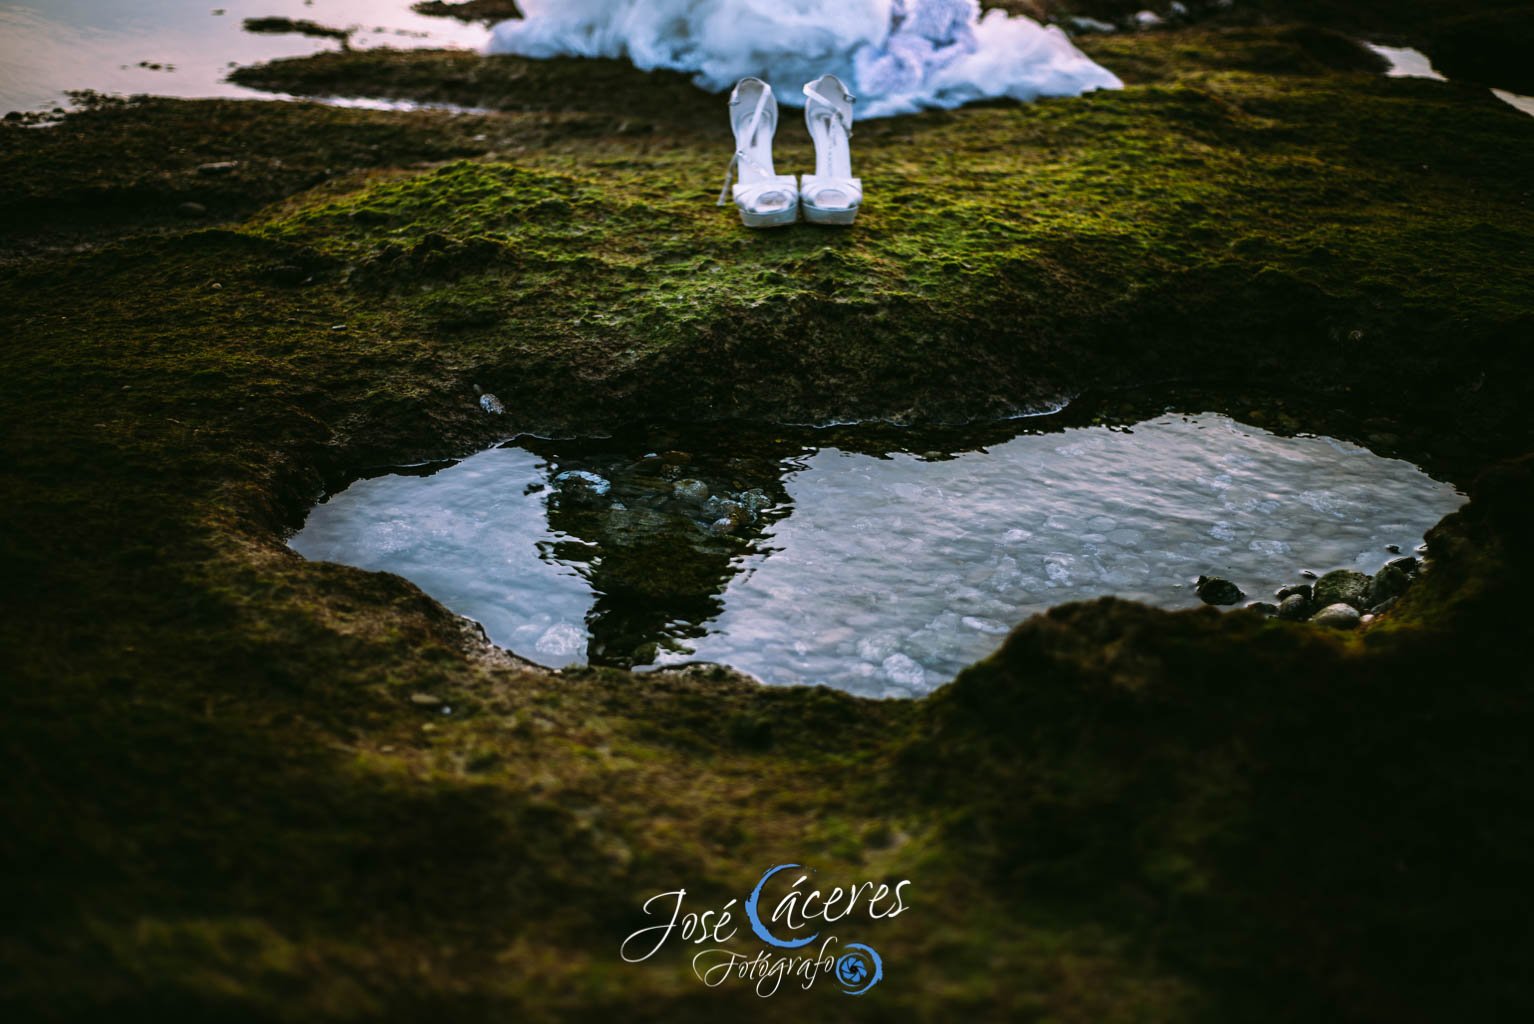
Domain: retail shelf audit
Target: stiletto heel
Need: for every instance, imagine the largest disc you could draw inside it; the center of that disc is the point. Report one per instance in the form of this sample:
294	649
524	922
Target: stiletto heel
831	195
765	198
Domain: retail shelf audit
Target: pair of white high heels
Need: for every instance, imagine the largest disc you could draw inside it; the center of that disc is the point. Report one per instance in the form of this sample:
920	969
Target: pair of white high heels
767	199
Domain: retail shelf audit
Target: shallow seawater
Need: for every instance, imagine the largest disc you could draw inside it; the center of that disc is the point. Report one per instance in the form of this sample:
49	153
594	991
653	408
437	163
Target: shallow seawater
184	48
875	571
1406	62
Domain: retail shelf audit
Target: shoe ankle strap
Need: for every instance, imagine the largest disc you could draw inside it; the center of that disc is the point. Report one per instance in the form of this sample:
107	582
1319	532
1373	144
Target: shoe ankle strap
740	156
836	111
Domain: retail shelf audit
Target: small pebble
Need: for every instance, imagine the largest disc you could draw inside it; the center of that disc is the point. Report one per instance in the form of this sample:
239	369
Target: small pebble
425	700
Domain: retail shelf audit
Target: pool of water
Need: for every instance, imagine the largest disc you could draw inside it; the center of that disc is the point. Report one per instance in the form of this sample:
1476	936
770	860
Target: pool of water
183	48
882	572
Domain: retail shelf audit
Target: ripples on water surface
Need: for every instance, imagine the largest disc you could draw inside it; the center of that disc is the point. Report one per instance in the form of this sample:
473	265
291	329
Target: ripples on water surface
882	574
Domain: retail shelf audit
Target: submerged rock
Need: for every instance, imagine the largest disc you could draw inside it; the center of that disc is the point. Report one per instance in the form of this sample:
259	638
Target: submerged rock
1214	590
904	671
581	484
561	640
755	501
691	490
1337	616
1343	586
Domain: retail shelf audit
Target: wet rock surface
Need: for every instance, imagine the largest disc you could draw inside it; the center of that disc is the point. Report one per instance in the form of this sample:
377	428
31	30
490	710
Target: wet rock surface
1387	585
1342	586
1167	820
1294	608
1337	616
1213	590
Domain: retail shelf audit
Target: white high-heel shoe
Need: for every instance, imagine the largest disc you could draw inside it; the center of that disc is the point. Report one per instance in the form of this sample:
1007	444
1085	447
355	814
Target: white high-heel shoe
831	195
766	199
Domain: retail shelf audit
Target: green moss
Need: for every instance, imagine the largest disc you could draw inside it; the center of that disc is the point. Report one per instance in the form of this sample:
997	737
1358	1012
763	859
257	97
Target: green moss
224	803
1036	248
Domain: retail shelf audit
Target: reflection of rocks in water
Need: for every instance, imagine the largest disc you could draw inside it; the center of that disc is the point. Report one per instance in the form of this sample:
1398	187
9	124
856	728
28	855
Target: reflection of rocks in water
658	535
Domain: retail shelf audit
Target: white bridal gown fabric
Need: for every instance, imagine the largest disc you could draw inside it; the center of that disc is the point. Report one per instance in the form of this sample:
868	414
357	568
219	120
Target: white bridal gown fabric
899	55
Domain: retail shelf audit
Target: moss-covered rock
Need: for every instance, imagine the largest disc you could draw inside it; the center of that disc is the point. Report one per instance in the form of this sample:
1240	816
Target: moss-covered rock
225	801
1343	586
1037	249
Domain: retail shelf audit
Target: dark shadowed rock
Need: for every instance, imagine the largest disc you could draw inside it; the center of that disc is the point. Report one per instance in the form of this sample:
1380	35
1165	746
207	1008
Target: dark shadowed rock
1388	584
1214	590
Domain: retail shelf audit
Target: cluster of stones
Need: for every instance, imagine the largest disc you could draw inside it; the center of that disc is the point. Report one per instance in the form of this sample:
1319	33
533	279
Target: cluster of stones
1341	599
718	513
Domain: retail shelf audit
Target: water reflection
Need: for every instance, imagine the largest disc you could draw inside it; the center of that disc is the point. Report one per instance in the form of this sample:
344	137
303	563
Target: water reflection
183	47
658	537
864	564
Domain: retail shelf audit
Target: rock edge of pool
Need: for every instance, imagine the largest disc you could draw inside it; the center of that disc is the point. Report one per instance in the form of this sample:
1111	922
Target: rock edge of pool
881	573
